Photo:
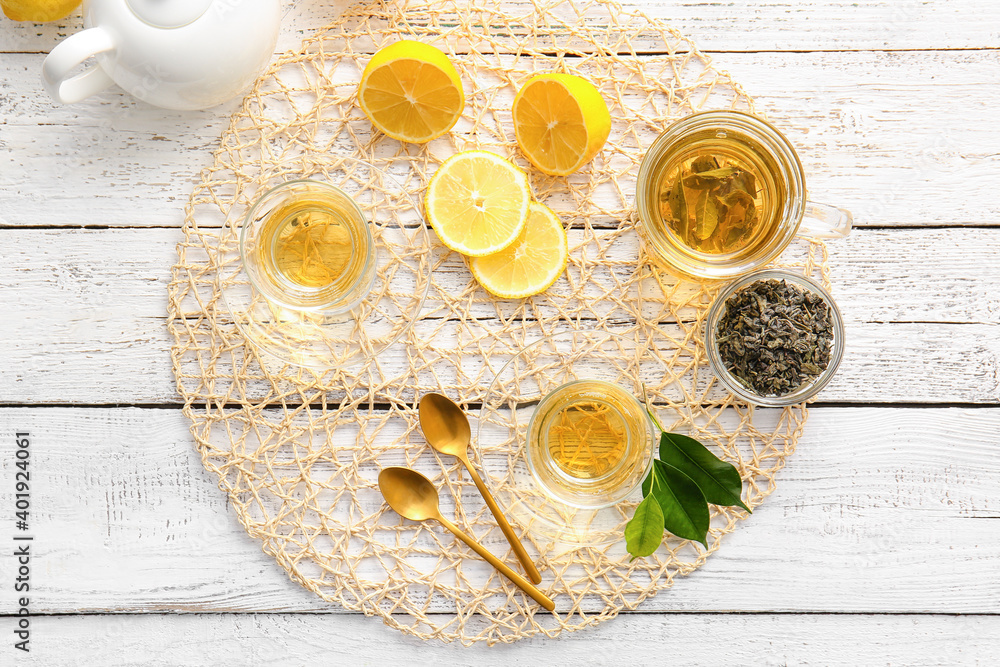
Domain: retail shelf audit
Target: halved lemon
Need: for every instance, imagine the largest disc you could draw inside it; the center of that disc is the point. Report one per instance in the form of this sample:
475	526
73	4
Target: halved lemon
411	91
38	10
561	122
529	265
477	202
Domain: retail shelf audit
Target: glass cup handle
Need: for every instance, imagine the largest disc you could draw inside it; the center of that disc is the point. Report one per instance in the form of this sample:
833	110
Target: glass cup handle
825	222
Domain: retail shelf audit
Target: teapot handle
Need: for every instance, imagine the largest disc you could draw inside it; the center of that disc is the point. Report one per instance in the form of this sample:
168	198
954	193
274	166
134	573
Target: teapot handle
66	56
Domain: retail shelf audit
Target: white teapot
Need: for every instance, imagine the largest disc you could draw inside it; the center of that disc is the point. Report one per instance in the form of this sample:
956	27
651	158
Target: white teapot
177	54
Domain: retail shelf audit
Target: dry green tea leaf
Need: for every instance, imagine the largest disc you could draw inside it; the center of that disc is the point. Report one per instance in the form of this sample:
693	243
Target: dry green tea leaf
775	335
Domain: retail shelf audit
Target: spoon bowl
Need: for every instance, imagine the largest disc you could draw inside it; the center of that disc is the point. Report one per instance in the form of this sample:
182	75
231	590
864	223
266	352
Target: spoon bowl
447	430
412	496
444	425
409	494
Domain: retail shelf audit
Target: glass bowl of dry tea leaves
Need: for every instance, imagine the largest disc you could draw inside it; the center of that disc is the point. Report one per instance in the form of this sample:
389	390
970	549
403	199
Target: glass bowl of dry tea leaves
774	337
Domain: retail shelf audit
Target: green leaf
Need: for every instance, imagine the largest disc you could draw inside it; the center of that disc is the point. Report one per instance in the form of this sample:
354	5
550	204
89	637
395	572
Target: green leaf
684	508
717	174
704	163
738	197
706	216
644	531
746	182
718	480
678	207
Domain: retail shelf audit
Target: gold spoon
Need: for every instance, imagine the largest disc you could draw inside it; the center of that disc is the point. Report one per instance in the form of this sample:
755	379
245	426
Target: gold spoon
413	496
447	430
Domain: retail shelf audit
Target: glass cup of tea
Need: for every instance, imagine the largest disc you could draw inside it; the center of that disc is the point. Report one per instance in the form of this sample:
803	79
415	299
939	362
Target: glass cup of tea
589	443
325	261
307	246
722	193
564	442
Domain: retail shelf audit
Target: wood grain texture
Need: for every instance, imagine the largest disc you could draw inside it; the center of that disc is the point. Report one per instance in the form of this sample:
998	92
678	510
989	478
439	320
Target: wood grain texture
87	311
644	639
879	511
898	138
757	25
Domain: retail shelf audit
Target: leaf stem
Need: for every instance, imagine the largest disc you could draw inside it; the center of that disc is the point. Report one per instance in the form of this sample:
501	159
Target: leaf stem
649	411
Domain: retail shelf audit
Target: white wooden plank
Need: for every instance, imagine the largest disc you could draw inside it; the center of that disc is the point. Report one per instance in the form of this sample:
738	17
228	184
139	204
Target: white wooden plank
879	511
758	25
893	152
639	639
30	37
86	315
892	144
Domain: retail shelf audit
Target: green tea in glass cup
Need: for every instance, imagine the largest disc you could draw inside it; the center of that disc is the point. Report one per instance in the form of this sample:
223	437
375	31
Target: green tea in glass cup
722	193
589	443
307	246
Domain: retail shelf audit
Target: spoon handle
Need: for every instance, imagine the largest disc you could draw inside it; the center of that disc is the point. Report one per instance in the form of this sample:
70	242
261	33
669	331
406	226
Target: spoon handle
522	555
522	583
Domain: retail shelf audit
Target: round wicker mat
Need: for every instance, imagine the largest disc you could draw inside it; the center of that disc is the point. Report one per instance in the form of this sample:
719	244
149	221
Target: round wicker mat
298	453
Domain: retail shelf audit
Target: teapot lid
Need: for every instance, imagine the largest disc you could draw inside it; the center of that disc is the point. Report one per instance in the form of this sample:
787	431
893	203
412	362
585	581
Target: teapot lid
169	13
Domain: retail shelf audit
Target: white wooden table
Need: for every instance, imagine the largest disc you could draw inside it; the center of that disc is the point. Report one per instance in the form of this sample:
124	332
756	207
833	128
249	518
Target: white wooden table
881	544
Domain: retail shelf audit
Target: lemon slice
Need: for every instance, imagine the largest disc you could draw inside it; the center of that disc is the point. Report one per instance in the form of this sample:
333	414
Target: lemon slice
560	121
532	263
411	91
477	202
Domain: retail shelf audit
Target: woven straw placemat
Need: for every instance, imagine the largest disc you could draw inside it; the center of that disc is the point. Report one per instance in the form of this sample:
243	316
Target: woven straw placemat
298	453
